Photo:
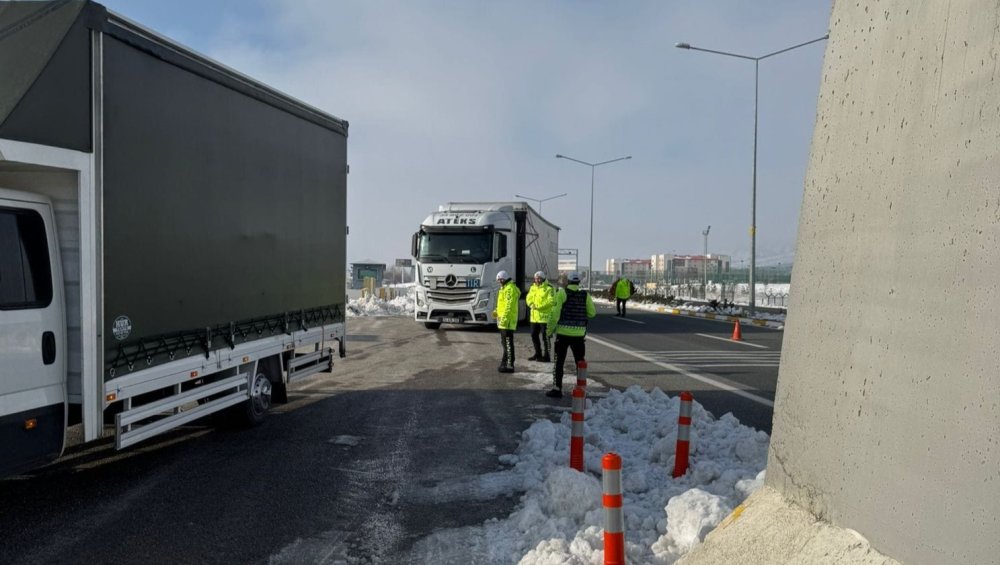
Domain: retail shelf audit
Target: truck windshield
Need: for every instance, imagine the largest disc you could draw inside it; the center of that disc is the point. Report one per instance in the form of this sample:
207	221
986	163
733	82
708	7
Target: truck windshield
457	247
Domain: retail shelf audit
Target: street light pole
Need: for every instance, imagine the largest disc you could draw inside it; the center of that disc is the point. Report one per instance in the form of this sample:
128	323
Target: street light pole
704	262
753	202
590	274
540	200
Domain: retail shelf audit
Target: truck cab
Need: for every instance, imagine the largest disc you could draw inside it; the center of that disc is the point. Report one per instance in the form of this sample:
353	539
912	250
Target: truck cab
460	249
32	331
458	255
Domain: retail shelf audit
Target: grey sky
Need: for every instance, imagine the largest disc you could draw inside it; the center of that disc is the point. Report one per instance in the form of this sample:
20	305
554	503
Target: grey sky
471	100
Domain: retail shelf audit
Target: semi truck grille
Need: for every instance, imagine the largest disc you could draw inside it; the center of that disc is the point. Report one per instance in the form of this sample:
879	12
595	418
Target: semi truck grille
451	295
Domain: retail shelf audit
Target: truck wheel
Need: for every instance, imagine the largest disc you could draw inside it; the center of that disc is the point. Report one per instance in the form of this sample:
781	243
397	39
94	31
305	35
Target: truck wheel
256	408
432	325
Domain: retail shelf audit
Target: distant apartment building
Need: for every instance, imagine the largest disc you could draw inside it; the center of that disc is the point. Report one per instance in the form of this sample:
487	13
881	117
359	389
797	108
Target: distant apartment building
638	269
672	267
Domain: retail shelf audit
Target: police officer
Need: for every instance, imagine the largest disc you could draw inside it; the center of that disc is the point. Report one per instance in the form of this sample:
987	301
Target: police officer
506	317
623	290
540	298
568	321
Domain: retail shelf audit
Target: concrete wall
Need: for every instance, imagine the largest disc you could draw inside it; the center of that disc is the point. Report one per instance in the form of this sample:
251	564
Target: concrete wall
887	417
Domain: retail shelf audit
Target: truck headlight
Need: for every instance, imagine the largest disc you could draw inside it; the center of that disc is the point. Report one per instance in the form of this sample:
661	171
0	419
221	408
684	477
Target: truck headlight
484	300
420	298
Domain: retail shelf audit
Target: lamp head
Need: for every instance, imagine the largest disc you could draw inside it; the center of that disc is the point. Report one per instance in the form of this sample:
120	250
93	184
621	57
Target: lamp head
682	45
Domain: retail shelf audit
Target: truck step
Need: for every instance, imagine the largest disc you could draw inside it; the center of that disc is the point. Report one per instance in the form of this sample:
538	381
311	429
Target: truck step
128	424
302	366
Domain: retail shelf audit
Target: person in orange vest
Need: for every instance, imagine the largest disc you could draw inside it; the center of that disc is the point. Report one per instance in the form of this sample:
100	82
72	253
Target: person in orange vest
506	317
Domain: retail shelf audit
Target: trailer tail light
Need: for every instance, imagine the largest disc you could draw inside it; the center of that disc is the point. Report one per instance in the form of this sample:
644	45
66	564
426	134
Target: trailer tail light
194	374
111	397
246	359
30	424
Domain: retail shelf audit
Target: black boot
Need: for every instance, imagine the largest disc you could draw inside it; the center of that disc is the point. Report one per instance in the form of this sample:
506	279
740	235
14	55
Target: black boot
554	393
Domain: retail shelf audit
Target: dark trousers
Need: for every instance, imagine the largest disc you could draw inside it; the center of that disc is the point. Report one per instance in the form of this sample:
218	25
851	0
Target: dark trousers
540	339
563	343
507	342
620	305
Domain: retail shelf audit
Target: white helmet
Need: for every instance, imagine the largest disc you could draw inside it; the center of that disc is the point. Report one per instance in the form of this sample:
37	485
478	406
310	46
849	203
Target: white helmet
540	275
573	277
503	276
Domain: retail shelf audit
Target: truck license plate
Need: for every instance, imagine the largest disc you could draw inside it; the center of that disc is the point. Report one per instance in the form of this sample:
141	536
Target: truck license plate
452	320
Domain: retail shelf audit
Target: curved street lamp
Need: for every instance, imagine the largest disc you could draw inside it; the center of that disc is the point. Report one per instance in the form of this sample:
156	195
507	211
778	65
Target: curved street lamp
753	204
540	200
590	275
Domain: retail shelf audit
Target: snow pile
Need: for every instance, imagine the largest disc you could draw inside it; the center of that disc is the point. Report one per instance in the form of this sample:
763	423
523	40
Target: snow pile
740	311
374	306
560	517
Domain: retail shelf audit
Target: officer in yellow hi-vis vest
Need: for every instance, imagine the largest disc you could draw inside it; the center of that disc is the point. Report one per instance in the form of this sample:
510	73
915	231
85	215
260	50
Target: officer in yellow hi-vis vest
506	317
540	298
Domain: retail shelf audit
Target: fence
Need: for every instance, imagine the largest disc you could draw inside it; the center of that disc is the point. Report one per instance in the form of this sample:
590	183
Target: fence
772	286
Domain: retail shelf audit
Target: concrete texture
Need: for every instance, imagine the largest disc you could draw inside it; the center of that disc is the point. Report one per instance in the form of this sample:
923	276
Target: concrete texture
887	414
781	533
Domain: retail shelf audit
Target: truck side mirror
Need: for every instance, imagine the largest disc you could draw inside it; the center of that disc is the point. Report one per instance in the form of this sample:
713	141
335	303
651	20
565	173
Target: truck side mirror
414	244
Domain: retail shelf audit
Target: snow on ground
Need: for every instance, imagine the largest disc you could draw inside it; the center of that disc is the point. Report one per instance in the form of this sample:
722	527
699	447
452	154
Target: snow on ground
739	311
559	518
402	305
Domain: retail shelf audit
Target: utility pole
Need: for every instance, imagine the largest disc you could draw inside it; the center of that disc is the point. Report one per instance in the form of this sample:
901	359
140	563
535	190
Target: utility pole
704	262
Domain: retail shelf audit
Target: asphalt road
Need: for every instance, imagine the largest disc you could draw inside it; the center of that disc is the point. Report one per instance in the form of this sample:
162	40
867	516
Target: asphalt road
361	464
678	353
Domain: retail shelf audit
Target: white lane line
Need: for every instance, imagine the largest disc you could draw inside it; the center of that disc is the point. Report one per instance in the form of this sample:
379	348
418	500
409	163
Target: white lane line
629	320
692	375
731	341
711	352
715	353
739	365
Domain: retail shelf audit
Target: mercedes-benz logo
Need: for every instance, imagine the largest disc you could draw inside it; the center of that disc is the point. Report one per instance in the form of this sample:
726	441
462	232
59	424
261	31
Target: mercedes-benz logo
450	280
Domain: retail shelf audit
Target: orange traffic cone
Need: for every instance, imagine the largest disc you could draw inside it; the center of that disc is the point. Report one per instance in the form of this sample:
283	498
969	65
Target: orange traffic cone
737	334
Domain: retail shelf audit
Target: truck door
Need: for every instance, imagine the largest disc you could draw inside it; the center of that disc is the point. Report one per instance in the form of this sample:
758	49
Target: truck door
32	336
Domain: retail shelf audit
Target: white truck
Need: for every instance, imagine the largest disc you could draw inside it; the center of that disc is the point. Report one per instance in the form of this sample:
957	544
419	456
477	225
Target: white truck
172	234
460	249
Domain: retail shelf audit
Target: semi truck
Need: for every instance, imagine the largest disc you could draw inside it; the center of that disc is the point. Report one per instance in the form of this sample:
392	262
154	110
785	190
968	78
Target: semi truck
172	234
460	249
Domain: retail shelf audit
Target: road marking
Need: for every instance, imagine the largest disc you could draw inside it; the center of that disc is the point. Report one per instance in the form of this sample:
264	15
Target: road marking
629	320
716	358
714	353
732	341
722	365
690	374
